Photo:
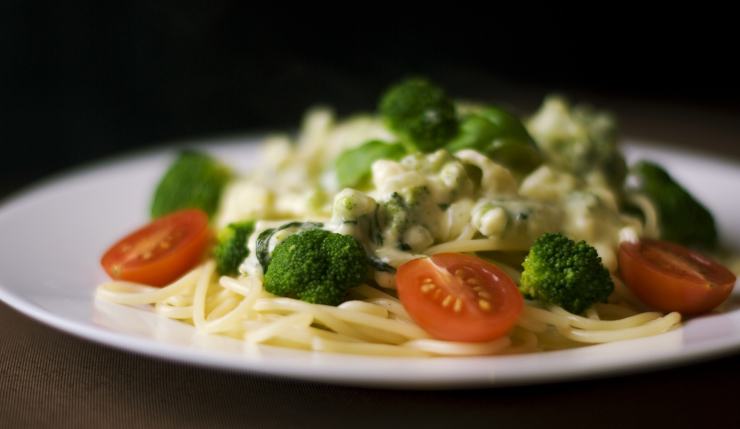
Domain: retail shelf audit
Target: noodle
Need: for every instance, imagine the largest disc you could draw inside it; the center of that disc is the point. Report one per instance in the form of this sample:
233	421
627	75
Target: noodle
132	293
450	348
373	323
475	245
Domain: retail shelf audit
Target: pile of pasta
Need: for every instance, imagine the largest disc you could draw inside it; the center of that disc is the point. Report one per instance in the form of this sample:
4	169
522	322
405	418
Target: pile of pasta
372	322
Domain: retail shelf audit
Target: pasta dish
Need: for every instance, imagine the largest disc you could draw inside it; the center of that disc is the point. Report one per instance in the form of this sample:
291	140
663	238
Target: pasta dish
432	228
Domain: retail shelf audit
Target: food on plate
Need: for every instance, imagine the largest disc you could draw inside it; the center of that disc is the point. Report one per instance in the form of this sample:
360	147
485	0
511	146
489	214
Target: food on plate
559	271
231	249
694	226
160	252
670	277
194	180
435	227
316	266
459	297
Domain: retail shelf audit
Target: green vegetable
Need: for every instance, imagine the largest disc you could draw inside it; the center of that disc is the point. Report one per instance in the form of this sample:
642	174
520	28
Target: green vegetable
396	215
353	165
316	266
403	211
231	249
420	113
682	218
262	247
358	213
518	221
579	139
193	180
501	136
560	271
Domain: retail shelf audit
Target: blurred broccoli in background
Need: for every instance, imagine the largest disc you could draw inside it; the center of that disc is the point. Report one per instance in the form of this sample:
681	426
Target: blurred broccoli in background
193	180
499	135
560	271
579	139
682	218
420	113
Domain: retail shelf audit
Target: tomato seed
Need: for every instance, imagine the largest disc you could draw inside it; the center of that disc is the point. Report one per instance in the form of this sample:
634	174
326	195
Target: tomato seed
447	301
427	287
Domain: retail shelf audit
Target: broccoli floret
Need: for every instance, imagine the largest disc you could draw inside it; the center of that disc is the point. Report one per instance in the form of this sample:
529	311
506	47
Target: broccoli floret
560	271
273	236
405	217
194	180
683	219
356	213
316	266
579	139
517	221
501	136
420	113
396	218
231	249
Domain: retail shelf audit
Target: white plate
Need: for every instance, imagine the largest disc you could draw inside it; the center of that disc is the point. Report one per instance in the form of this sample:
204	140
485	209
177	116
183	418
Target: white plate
53	236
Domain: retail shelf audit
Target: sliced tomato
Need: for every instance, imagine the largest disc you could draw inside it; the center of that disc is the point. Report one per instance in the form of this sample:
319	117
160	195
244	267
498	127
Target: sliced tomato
670	277
458	297
159	253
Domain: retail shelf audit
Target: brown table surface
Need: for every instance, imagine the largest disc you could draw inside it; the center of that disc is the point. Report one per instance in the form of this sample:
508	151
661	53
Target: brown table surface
52	379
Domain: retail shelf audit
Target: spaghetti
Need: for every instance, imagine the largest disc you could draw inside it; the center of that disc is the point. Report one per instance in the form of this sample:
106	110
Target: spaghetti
372	322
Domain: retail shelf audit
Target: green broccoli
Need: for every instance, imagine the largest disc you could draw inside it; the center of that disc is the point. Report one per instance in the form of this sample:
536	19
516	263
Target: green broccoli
316	266
275	235
353	166
357	212
560	271
231	249
501	136
193	180
683	219
579	139
420	113
409	210
396	218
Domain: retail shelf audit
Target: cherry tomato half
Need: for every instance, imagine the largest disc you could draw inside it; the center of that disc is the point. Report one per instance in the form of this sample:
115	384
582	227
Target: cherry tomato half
670	277
159	253
458	297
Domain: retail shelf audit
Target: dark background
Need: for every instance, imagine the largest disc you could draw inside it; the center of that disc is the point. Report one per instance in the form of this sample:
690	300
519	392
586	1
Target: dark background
82	80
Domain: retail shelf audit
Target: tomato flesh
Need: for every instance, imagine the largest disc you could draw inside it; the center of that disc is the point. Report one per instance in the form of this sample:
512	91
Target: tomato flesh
670	277
160	252
458	297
